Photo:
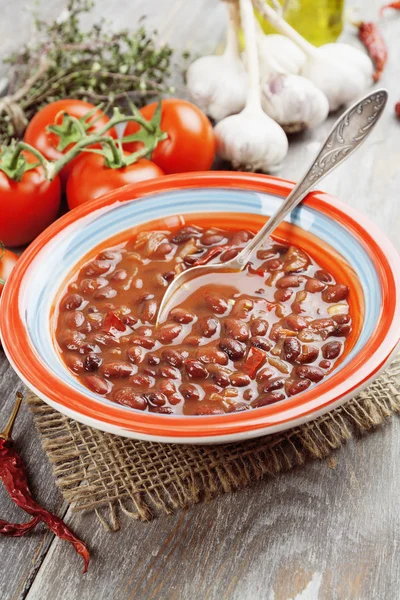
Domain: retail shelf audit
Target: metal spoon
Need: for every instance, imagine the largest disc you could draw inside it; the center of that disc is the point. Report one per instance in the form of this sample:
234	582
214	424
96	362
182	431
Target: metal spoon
347	134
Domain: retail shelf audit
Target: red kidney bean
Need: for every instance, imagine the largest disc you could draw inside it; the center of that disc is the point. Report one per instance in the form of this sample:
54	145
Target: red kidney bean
233	348
248	395
148	371
327	325
184	234
273	384
75	363
309	354
149	310
169	372
74	319
264	374
167	387
291	349
189	392
96	267
331	350
175	399
192	340
168	332
265	254
335	293
241	237
259	327
172	357
105	293
323	275
297	386
238	407
229	254
219	376
278	332
212	355
314	285
210	239
88	286
153	359
217	304
164	410
295	322
239	379
208	325
70	340
273	264
72	302
325	364
260	342
270	398
236	329
135	354
116	369
145	381
92	362
288	281
97	384
128	397
195	369
162	250
155	398
283	295
180	315
129	320
342	325
307	372
119	275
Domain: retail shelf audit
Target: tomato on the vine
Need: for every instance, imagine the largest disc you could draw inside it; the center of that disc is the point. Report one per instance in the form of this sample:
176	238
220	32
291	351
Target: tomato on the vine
27	206
47	142
190	145
7	263
91	178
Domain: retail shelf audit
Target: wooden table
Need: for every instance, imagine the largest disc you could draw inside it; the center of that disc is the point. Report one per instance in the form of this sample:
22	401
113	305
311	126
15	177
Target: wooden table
328	531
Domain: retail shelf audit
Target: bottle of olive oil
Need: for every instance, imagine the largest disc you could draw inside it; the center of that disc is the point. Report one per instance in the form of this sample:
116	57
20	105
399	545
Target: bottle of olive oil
319	21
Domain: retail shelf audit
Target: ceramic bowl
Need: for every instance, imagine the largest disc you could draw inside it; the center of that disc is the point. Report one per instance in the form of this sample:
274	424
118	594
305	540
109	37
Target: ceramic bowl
339	238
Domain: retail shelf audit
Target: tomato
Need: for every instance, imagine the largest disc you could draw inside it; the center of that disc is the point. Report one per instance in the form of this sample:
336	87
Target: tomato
27	206
190	145
7	263
90	178
37	135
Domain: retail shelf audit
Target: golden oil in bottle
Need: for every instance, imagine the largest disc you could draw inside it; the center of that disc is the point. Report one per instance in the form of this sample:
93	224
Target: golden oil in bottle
319	21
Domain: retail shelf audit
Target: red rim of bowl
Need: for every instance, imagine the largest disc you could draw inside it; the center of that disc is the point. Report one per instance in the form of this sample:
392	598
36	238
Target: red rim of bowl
328	394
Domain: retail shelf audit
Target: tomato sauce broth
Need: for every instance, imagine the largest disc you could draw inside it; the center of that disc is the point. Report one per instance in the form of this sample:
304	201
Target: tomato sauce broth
238	342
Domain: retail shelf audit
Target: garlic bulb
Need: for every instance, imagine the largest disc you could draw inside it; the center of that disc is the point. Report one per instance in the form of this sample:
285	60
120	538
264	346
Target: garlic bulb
339	70
294	102
278	54
342	72
217	84
251	140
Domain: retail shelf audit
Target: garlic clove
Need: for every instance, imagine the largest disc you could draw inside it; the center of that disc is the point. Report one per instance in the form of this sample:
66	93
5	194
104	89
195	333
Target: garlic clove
251	141
217	85
278	54
341	71
294	102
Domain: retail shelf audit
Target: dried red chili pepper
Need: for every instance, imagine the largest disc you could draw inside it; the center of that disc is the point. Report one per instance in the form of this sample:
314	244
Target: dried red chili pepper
371	36
14	477
395	5
397	109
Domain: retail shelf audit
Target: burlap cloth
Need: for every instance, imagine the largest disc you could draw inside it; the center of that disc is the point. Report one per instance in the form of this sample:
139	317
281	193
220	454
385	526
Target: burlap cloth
102	472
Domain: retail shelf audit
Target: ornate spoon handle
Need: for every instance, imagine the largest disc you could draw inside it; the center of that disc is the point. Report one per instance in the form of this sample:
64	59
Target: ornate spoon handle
347	134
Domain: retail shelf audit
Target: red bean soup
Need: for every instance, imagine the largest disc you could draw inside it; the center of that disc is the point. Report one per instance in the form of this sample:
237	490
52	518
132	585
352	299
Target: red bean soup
240	341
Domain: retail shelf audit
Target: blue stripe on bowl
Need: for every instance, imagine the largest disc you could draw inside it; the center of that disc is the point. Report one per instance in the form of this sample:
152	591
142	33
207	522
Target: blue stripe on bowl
56	260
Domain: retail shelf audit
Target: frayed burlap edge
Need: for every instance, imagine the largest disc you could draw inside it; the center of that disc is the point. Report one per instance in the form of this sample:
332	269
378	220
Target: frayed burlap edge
106	473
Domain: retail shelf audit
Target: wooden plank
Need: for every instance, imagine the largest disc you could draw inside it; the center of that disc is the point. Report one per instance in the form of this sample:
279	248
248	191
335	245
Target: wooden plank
327	531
